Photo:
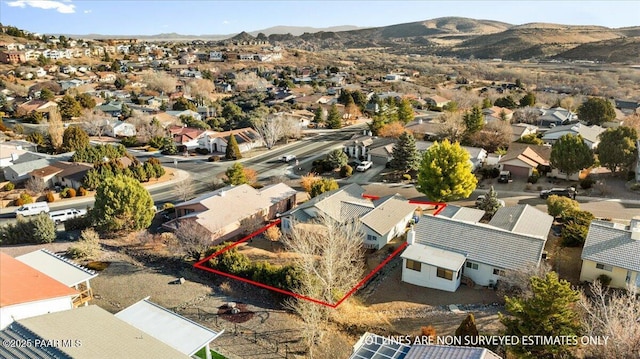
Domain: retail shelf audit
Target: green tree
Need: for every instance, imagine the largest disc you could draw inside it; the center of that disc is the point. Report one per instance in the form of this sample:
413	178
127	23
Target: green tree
445	173
69	107
405	111
617	149
323	185
236	175
405	154
85	100
333	118
46	94
38	138
548	312
467	328
486	103
337	158
318	115
74	138
182	104
596	111
531	139
570	154
490	202
576	227
528	100
122	204
507	102
473	121
232	151
558	206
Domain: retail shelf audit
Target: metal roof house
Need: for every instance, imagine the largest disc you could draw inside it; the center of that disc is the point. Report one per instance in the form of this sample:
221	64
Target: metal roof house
442	249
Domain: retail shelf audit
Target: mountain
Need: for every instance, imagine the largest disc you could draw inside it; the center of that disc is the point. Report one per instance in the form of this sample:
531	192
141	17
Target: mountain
299	30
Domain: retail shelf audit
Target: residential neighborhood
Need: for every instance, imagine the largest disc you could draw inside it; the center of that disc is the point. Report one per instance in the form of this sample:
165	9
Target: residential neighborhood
271	196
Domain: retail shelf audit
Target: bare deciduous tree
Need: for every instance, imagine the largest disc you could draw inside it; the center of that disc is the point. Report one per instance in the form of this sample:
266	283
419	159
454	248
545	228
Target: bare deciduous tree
270	129
517	282
330	258
451	127
614	314
94	122
160	81
200	90
194	239
35	185
184	189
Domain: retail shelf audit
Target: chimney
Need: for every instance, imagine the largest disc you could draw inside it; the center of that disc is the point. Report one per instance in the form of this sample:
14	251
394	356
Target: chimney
411	236
634	227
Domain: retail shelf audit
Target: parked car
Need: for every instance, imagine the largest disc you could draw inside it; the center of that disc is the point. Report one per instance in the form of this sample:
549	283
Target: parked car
482	197
365	165
32	209
288	158
504	177
66	214
569	192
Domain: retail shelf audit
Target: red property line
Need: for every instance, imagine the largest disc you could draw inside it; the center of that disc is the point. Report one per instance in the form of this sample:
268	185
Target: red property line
201	264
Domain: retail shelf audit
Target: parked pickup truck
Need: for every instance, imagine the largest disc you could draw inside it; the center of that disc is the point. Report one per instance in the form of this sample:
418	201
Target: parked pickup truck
65	214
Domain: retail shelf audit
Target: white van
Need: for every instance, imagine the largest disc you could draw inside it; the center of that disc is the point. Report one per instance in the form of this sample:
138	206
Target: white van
32	209
65	214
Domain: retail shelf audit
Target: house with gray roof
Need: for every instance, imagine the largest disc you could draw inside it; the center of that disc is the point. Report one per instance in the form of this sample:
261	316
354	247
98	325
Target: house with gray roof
462	213
612	249
380	220
373	346
442	249
589	134
388	219
523	219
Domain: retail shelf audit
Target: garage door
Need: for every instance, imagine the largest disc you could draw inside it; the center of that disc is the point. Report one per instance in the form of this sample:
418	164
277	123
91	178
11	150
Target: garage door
516	171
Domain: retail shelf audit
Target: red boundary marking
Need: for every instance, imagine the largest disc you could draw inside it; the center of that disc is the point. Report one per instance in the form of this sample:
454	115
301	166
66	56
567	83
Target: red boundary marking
201	264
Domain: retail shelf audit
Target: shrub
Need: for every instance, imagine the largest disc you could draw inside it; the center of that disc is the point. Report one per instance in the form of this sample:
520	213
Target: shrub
18	202
587	182
26	198
406	177
533	179
82	191
346	171
558	206
214	158
71	193
151	149
202	151
573	234
78	223
9	186
37	229
604	279
129	141
169	207
88	245
51	197
635	187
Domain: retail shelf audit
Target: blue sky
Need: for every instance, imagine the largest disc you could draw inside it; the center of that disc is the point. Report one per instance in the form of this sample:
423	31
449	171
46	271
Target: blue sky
197	17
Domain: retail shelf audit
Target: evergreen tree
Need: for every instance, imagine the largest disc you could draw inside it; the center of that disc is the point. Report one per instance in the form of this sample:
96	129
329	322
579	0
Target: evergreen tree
490	202
405	154
318	116
46	94
122	204
74	138
467	328
337	158
323	185
548	312
334	119
236	175
405	111
570	154
69	107
473	121
528	100
507	102
232	151
445	173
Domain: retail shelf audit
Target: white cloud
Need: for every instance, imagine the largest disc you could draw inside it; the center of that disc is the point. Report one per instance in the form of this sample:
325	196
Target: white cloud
64	7
226	22
87	11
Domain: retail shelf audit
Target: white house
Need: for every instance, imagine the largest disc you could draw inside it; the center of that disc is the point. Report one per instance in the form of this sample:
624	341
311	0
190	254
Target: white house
26	292
115	128
387	220
589	134
247	139
443	250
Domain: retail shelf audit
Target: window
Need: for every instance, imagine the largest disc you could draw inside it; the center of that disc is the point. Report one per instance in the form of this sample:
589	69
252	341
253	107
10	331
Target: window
417	266
604	267
472	265
371	237
445	273
499	272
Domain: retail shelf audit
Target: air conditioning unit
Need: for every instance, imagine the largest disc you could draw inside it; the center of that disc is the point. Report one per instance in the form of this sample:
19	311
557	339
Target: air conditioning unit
544	255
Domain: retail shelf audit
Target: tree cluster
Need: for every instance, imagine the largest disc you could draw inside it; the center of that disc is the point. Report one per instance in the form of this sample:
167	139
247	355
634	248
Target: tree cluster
36	229
141	172
93	154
